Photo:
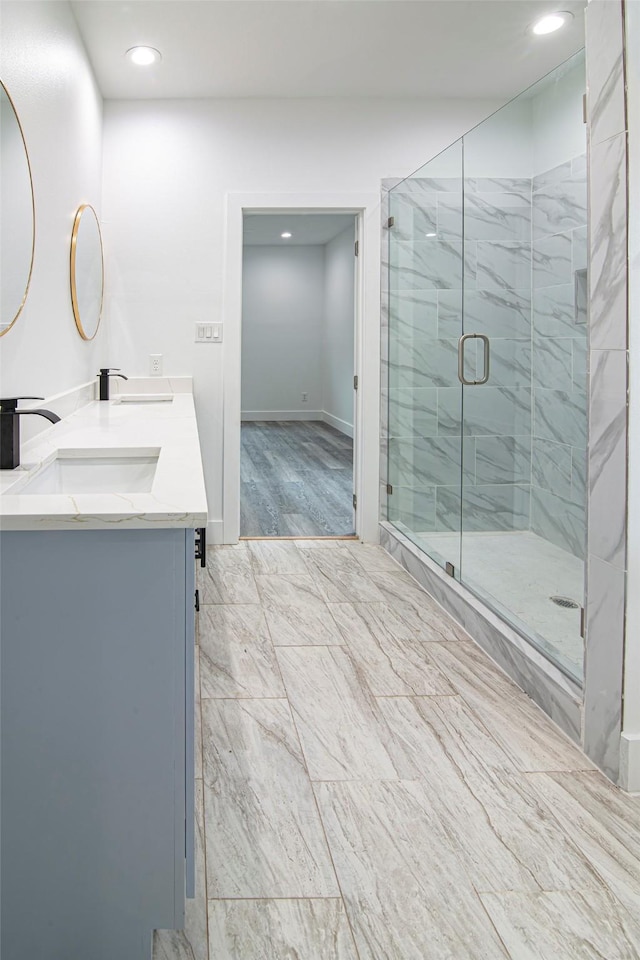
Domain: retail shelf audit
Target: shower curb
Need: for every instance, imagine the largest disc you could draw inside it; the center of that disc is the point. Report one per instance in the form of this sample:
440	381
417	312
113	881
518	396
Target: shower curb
555	693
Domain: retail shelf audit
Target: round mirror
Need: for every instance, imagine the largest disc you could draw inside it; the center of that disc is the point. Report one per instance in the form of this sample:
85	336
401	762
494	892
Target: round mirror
17	215
87	272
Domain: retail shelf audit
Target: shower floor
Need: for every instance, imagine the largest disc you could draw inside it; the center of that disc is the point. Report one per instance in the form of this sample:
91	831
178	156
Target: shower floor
518	573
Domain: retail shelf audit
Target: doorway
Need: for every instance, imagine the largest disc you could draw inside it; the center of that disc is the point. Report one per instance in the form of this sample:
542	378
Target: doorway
298	357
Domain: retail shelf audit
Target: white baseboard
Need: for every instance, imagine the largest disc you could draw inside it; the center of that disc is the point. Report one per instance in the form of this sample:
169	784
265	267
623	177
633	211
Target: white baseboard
630	762
281	415
341	425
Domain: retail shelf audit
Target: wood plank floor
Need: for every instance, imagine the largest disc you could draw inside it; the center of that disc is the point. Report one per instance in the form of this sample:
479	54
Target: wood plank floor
296	480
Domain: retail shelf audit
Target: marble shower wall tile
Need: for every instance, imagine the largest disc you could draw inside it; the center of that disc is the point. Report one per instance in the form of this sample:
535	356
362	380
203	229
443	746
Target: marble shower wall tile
553	363
435	912
608	264
414	313
414	507
485	507
558	520
560	415
423	363
551	466
554	312
413	412
505	265
608	456
428	265
496	313
268	839
605	74
604	653
496	411
305	929
552	260
559	207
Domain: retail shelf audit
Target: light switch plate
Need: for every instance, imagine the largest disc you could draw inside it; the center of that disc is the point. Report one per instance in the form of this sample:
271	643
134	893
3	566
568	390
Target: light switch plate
208	333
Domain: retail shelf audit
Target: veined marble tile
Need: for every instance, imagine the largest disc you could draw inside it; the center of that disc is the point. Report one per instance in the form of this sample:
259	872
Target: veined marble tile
430	265
267	929
342	732
579	364
560	415
228	576
579	476
426	619
485	507
603	822
503	459
413	313
510	363
585	925
523	731
496	313
496	217
503	265
553	362
339	577
295	610
605	72
237	658
503	836
190	943
579	252
413	412
264	836
554	312
608	456
512	187
559	520
423	363
425	461
496	411
552	176
559	206
602	720
413	506
414	213
387	657
406	895
551	466
275	556
608	265
552	260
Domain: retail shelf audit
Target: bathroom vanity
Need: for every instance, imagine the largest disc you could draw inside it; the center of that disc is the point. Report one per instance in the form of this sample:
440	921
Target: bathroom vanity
97	644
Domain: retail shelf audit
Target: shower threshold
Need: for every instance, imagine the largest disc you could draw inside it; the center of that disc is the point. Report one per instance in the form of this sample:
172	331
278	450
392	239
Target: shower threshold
518	573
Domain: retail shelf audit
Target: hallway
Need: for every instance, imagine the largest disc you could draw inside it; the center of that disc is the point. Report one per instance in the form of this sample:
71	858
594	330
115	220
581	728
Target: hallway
370	786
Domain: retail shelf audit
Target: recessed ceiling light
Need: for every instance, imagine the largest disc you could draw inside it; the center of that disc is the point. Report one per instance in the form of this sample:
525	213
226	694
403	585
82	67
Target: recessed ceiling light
429	234
285	236
143	56
550	23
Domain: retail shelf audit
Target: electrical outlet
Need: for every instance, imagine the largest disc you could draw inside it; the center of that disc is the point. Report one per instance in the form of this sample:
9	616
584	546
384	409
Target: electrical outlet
155	364
305	397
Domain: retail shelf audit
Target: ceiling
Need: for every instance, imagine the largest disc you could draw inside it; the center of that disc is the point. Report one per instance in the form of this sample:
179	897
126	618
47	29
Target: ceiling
324	48
305	228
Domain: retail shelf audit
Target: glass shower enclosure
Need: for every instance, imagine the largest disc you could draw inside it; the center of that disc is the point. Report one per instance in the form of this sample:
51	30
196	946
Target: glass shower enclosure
487	362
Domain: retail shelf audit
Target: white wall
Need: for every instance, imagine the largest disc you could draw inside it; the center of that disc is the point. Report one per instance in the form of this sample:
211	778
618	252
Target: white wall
283	290
559	132
338	329
168	166
45	69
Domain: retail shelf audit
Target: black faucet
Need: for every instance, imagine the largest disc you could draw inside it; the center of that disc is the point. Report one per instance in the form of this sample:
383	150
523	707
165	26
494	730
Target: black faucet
105	373
10	429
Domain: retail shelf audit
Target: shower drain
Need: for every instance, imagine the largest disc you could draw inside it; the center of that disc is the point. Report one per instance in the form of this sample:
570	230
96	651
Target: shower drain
565	602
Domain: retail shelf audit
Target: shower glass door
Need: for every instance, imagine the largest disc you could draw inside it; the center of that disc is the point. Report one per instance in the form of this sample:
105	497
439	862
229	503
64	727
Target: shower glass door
524	417
487	410
425	284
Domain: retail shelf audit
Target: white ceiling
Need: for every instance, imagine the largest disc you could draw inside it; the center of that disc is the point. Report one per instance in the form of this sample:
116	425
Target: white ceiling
324	48
315	228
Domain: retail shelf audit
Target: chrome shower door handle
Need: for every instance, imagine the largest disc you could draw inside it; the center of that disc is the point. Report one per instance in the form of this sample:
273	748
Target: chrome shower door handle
487	354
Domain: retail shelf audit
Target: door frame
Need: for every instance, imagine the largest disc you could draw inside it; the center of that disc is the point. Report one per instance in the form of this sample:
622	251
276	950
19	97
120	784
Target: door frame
366	209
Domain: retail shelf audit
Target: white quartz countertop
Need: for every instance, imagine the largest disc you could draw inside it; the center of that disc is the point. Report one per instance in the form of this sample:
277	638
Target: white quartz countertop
177	497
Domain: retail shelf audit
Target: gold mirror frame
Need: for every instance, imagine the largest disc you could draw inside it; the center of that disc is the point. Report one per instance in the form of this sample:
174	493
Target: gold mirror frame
33	215
74	291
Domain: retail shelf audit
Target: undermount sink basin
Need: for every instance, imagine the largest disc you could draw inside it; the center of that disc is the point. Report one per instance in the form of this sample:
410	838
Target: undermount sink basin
95	471
146	398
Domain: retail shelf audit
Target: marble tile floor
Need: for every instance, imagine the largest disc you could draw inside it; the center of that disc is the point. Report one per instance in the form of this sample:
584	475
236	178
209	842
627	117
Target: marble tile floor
518	572
372	787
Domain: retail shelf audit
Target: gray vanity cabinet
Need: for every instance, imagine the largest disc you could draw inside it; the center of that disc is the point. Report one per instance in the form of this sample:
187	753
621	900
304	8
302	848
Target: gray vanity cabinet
97	646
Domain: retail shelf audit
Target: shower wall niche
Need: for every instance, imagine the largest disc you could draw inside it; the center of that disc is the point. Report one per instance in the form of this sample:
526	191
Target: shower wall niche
486	409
